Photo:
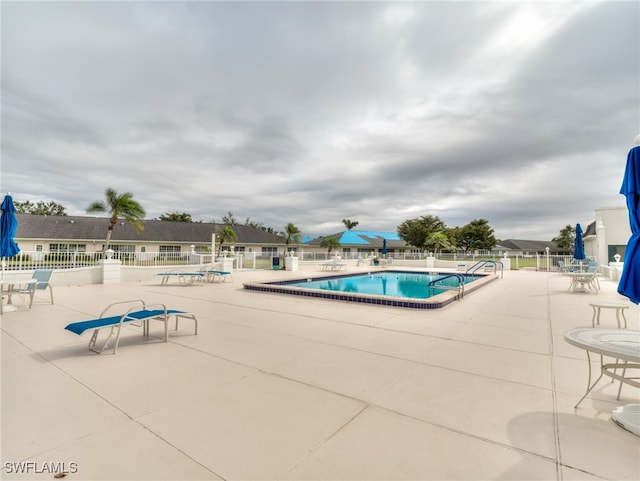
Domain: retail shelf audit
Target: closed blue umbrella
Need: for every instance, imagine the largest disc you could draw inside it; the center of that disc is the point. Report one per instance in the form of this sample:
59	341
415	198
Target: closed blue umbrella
578	246
384	247
8	227
629	284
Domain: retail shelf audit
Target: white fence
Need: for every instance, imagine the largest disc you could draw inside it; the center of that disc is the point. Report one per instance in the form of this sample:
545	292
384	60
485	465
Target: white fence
30	260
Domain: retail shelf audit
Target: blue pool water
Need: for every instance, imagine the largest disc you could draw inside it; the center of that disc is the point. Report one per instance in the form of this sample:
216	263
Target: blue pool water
414	285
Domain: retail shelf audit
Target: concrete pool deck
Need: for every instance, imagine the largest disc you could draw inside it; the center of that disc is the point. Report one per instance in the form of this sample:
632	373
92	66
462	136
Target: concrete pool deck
284	387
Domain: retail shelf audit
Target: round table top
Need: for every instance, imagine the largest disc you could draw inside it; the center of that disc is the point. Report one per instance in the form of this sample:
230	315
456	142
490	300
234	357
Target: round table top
617	305
619	343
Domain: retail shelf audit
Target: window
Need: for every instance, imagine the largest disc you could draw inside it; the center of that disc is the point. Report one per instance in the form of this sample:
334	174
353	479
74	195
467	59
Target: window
169	249
616	249
59	248
123	248
269	251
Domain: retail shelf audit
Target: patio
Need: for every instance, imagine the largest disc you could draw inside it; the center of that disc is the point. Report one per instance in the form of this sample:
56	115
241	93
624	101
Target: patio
283	387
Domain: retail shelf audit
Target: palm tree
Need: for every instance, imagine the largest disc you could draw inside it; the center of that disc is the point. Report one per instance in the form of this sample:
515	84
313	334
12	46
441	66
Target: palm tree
437	240
225	233
350	224
330	243
293	235
119	205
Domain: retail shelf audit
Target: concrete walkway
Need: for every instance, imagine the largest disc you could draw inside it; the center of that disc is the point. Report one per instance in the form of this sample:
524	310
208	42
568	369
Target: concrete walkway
282	387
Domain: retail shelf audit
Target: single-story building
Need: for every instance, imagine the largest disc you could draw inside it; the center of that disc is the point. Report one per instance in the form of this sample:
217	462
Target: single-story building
608	234
513	247
355	243
62	234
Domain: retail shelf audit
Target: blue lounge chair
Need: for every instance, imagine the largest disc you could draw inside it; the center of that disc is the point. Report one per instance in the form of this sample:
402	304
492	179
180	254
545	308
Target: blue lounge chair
185	278
138	314
212	274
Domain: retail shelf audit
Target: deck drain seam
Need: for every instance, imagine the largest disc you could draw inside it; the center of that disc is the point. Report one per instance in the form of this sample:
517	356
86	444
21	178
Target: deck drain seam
328	438
554	393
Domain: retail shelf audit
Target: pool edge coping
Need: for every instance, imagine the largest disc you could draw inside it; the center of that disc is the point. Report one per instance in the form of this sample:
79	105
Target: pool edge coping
435	302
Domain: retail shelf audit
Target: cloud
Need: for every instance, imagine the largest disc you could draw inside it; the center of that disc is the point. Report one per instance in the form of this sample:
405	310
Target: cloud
310	112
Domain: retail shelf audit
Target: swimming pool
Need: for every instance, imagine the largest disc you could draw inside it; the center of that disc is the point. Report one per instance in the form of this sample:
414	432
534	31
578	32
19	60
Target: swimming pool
393	288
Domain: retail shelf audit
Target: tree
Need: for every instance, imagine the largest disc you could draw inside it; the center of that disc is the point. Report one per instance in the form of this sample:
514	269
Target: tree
566	238
437	240
415	232
119	205
229	219
226	234
41	208
350	224
476	235
176	217
257	225
292	235
329	243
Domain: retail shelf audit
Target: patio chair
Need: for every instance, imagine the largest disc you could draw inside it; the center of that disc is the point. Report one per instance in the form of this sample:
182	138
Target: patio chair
139	314
213	274
335	264
592	268
184	277
41	282
581	280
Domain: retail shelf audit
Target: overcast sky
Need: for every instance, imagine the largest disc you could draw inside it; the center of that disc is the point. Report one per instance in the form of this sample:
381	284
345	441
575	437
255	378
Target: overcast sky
518	113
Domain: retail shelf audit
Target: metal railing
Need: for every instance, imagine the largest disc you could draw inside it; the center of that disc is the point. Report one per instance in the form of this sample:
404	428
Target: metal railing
30	260
487	265
438	284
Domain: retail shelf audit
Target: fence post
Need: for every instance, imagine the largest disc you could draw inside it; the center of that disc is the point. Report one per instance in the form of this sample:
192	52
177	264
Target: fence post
110	268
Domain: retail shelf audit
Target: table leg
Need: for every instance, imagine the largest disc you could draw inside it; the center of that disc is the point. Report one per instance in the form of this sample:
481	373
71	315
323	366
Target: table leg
589	385
624	371
623	317
9	307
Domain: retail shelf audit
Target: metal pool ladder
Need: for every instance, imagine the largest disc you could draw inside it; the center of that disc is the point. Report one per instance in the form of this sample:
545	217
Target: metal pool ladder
459	287
480	264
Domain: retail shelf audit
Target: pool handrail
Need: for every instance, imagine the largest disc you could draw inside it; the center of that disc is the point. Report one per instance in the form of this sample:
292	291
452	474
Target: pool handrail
486	263
459	287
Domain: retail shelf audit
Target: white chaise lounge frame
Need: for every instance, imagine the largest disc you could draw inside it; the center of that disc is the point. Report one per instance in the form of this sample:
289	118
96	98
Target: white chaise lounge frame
138	314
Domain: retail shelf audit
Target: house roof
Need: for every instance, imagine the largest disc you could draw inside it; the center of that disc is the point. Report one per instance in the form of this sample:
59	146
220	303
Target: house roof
590	230
360	238
81	228
526	245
